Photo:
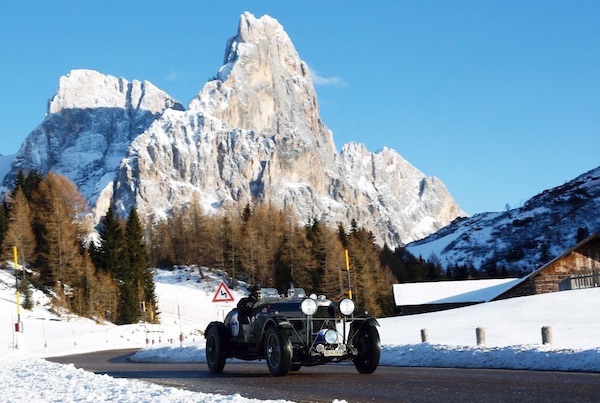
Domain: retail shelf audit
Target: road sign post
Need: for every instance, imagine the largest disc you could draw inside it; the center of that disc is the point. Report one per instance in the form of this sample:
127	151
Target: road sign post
223	297
223	294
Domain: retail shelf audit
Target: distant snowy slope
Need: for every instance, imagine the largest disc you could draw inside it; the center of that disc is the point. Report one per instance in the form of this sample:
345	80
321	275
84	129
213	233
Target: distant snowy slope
522	238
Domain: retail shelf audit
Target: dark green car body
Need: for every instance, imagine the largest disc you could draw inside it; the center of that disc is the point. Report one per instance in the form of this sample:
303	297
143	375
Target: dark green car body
279	332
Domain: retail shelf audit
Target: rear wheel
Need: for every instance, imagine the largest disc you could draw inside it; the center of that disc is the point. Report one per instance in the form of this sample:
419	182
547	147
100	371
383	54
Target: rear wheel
215	354
369	350
278	352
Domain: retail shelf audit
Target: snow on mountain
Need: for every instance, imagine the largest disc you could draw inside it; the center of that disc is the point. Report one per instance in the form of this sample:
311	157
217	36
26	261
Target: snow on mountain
523	238
88	127
5	164
252	135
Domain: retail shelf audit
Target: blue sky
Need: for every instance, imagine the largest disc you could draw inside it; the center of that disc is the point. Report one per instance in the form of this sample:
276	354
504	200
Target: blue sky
500	100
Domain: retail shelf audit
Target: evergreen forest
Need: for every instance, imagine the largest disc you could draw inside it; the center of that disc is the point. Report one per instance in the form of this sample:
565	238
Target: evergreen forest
48	221
105	271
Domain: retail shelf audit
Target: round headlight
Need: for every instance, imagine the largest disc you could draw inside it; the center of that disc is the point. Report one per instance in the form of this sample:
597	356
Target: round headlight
308	307
331	336
347	306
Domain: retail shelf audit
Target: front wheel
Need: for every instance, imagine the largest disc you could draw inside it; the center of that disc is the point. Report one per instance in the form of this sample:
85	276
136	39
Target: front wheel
215	354
278	352
369	350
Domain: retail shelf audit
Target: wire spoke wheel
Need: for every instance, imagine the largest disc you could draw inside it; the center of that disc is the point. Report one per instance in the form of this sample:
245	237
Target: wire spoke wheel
278	352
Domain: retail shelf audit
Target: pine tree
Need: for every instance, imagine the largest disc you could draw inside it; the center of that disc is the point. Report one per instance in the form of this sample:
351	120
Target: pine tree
161	244
333	281
61	257
103	296
227	253
19	182
247	213
19	232
3	221
128	311
28	183
109	253
293	260
112	258
248	236
26	292
342	235
58	205
32	182
393	263
434	269
372	281
137	263
260	246
199	236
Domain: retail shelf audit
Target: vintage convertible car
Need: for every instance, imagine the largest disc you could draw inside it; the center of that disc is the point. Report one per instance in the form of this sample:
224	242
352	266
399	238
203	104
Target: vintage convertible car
294	331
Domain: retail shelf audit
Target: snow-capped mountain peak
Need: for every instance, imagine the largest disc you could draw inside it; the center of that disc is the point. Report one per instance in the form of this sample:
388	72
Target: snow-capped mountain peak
263	86
88	89
252	135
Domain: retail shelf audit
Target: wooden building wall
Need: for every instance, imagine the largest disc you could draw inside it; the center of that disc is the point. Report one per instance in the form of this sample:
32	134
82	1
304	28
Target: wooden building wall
584	259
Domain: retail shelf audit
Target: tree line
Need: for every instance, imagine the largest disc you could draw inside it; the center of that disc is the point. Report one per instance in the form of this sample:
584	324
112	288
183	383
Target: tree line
48	221
111	276
267	246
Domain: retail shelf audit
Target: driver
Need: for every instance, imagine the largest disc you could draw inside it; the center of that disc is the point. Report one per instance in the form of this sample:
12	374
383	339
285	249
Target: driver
247	303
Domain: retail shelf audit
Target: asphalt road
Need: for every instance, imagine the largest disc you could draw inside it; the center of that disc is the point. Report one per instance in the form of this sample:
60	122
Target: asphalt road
335	381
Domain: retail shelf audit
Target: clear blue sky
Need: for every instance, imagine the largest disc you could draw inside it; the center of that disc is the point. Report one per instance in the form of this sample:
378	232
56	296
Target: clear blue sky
498	99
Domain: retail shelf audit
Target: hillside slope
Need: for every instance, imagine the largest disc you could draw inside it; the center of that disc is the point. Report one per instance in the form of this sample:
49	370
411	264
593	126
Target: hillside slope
523	238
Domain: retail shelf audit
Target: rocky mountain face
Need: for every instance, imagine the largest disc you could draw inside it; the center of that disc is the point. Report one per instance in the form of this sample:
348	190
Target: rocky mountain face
252	135
524	238
88	128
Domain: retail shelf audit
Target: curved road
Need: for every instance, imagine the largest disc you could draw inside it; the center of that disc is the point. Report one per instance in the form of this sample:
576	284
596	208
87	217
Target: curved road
335	381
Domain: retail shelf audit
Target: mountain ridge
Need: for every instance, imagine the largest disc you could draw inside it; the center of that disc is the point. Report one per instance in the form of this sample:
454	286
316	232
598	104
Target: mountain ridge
252	135
524	238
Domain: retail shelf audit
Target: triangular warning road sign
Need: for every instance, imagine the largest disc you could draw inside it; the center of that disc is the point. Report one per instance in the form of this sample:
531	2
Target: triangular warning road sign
223	294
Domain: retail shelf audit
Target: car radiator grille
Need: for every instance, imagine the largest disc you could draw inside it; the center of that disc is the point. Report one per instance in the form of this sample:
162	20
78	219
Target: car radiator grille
323	313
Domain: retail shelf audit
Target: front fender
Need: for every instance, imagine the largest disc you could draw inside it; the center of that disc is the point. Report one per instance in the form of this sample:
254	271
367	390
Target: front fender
370	322
277	321
358	324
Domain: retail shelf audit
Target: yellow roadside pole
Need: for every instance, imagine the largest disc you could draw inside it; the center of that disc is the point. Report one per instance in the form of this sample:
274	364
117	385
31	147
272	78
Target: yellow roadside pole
18	324
348	272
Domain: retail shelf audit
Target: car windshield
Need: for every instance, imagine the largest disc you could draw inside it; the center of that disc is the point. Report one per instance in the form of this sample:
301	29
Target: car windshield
269	293
296	293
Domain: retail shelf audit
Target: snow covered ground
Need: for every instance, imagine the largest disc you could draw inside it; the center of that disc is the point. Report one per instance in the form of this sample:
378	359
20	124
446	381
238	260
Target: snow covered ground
513	330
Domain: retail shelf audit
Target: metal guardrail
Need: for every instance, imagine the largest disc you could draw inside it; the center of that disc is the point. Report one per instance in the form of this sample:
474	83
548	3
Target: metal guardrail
580	281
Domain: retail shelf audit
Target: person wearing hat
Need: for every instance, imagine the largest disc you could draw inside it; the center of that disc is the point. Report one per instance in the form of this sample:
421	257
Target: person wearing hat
246	304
